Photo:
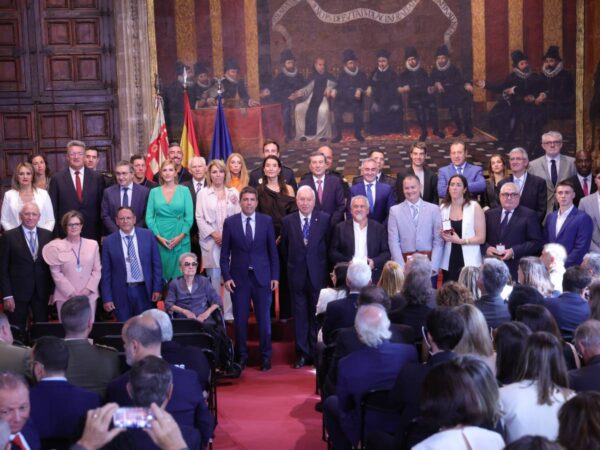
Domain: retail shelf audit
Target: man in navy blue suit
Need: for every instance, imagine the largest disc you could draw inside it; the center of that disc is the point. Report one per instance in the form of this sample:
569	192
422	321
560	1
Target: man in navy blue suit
568	226
250	268
124	193
15	409
329	188
58	408
131	268
460	166
570	309
374	367
380	195
512	231
304	240
141	338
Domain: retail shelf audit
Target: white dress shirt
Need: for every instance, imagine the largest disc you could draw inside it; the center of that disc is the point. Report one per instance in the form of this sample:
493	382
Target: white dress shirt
549	164
560	219
360	243
81	171
137	255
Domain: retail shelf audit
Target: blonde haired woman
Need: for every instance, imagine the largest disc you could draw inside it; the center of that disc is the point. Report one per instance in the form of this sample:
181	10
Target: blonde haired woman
237	173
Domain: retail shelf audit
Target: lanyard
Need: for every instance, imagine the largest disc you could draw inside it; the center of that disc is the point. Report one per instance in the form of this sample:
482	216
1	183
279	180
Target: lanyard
78	255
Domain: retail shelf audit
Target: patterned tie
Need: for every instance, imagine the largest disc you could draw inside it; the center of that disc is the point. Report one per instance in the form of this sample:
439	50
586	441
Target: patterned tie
136	271
32	243
504	222
320	191
248	231
586	189
78	187
17	443
305	230
415	214
459	170
518	183
198	187
125	201
553	172
370	196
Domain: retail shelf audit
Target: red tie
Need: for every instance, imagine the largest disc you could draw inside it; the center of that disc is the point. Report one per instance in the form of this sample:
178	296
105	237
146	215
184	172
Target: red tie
585	188
78	186
320	191
17	442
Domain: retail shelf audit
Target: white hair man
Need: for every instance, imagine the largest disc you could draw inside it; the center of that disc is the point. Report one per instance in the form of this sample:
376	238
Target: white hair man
554	257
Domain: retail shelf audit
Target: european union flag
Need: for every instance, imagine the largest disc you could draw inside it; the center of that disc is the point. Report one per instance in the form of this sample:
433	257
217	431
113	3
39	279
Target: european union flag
221	146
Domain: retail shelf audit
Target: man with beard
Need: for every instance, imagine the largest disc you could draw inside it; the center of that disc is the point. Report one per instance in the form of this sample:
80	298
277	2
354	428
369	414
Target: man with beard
351	85
386	114
523	95
284	89
560	86
415	82
173	98
312	114
198	92
454	93
233	86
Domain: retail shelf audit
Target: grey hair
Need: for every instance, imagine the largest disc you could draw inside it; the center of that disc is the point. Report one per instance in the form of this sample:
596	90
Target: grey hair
187	255
356	197
305	188
591	262
520	150
494	275
201	158
372	325
552	133
509	184
588	334
366	160
419	263
358	275
29	204
558	252
75	143
164	322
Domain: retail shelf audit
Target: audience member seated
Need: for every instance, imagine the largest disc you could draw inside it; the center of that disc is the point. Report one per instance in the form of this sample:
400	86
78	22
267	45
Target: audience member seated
58	408
453	294
509	339
338	291
15	408
476	339
591	263
340	313
570	308
13	358
587	342
373	367
142	337
533	273
534	442
493	278
594	300
531	404
91	367
151	381
469	277
554	257
579	420
392	281
182	356
523	295
460	399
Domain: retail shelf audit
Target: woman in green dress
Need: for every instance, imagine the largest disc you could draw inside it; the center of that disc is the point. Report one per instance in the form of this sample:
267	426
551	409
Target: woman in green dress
170	214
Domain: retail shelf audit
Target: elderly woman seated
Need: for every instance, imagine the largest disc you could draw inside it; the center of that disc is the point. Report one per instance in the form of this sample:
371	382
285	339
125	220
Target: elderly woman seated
191	295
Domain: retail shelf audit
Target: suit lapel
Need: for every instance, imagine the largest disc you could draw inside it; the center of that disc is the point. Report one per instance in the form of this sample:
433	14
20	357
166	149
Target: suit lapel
568	220
87	184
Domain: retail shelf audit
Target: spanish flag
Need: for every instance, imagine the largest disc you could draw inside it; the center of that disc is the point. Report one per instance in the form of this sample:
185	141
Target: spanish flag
188	135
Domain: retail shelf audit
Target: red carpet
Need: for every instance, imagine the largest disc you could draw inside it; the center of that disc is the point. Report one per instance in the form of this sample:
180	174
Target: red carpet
269	410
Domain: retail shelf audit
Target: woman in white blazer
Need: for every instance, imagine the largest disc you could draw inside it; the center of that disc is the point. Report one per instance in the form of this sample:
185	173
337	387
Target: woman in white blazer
463	229
23	191
214	204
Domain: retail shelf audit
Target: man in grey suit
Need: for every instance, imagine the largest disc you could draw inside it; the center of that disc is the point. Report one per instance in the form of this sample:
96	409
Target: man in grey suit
552	167
591	206
415	225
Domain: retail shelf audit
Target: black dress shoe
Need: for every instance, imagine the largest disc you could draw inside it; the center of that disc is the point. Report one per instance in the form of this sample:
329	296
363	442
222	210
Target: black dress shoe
469	134
423	136
457	133
336	139
439	134
323	139
303	139
359	137
242	363
300	362
265	365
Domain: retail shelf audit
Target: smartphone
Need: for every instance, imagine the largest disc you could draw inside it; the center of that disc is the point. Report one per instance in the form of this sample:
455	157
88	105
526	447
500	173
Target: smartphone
132	417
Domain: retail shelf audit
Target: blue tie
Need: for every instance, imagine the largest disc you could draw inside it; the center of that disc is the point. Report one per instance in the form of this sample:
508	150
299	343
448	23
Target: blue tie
370	196
136	272
305	230
125	201
248	231
32	243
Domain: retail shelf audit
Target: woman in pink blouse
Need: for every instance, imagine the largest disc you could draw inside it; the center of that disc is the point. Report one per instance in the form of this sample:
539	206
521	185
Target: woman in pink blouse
74	263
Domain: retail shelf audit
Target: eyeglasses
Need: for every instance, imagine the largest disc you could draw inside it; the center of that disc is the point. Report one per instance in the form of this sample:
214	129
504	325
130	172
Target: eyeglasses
509	195
74	225
516	158
552	143
190	264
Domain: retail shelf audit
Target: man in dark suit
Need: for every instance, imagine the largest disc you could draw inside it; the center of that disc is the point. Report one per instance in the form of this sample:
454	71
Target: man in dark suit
374	367
570	309
250	268
460	166
304	240
175	154
583	181
378	156
91	366
360	239
124	193
271	147
493	278
198	182
532	189
512	231
587	341
80	189
329	189
142	338
380	196
568	226
15	358
14	396
428	178
131	268
58	408
138	163
25	279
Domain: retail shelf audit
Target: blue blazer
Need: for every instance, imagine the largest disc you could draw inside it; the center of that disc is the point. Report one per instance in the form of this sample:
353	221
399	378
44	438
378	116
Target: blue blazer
187	403
305	260
111	202
114	272
575	234
31	435
58	408
334	197
570	310
339	314
473	174
384	200
237	255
